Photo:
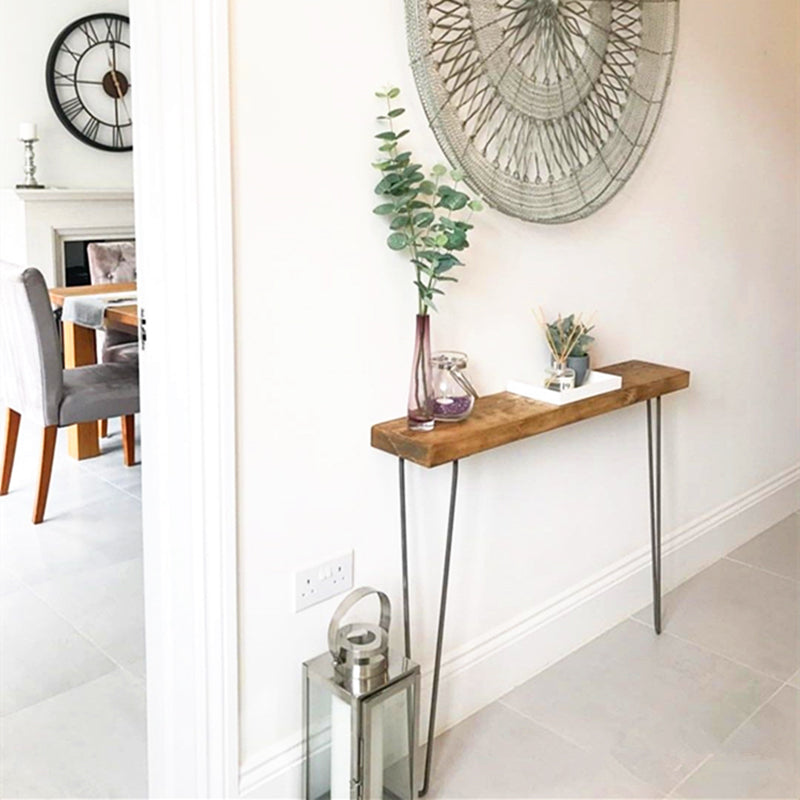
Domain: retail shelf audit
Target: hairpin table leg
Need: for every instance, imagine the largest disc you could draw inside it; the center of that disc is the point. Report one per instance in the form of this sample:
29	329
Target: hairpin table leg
654	470
437	667
440	632
404	556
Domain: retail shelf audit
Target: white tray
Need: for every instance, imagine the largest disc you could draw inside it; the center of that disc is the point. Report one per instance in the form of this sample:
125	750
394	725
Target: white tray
596	383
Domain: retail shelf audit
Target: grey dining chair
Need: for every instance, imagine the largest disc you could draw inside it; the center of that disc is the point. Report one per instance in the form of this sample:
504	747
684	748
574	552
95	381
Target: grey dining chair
33	381
114	262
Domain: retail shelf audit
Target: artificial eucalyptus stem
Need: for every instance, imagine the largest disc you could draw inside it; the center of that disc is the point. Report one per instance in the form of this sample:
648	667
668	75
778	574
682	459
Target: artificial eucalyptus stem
421	210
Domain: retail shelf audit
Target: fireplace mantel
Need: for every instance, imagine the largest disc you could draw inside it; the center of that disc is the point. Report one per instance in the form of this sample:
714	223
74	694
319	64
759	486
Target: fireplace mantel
35	223
50	195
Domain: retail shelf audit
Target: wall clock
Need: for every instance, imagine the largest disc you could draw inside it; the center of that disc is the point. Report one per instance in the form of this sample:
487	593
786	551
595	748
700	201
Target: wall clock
546	106
88	80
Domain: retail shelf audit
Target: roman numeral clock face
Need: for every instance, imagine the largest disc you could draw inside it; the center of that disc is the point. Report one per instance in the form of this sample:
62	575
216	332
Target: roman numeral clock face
89	80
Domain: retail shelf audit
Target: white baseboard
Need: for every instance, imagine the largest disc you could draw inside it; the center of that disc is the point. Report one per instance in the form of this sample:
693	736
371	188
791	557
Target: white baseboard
490	666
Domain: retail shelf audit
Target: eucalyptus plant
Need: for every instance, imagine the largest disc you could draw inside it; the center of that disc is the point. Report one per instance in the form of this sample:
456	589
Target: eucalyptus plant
429	216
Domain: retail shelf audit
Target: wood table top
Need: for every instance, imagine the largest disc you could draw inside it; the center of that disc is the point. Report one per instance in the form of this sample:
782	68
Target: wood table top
124	316
499	419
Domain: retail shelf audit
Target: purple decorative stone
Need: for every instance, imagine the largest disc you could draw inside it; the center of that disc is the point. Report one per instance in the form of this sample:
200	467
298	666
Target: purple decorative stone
452	408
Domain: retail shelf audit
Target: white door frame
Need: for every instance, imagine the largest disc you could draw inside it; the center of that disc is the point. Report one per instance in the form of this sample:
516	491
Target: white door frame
182	190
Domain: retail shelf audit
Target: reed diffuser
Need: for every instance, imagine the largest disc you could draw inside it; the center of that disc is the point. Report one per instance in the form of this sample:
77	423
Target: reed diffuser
565	337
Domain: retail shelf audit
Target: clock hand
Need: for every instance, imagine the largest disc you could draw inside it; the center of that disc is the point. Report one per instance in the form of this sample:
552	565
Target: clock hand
114	78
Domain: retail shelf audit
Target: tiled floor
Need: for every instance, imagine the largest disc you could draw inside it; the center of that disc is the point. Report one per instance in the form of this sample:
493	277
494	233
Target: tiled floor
72	695
710	709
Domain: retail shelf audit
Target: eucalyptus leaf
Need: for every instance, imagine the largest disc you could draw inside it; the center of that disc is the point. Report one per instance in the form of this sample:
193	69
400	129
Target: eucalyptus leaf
438	170
386	183
396	112
391	135
384	208
393	92
475	205
400	222
397	241
426	301
453	201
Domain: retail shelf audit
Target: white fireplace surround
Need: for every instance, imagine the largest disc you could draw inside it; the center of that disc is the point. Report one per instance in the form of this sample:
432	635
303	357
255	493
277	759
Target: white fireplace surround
35	223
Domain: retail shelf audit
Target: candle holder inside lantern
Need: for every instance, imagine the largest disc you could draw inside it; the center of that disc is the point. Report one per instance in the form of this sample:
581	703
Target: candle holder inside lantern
361	709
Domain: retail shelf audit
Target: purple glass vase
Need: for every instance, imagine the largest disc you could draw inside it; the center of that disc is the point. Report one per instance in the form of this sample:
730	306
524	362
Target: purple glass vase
420	393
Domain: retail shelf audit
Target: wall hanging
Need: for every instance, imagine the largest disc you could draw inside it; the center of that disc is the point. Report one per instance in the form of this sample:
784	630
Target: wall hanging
546	106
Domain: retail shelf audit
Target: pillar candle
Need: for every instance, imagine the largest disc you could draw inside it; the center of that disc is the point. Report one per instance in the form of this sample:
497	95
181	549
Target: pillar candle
27	131
341	749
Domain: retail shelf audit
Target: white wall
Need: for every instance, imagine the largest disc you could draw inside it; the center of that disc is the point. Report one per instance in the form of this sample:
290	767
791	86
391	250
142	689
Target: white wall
694	264
27	30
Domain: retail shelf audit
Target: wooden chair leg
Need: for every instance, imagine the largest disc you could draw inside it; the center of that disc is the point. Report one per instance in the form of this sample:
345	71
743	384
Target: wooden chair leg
12	430
102	428
129	440
45	470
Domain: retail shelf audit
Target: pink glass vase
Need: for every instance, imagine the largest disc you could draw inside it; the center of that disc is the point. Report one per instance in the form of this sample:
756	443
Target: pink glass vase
420	393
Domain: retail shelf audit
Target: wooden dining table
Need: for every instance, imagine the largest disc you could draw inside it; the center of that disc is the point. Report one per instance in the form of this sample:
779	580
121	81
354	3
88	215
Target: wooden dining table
80	350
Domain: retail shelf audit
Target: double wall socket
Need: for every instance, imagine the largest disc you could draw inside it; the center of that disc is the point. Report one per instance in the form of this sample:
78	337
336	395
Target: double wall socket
322	581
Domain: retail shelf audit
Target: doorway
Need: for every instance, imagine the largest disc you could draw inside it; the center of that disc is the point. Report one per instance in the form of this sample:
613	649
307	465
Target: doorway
183	229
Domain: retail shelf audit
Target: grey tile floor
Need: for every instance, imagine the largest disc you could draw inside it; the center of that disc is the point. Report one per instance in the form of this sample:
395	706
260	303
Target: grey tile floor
710	709
72	694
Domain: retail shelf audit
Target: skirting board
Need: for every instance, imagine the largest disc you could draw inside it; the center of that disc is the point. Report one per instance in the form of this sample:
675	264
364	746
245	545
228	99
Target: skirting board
483	671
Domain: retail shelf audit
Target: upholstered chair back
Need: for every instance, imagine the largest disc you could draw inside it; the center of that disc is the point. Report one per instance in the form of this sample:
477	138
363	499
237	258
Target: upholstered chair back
112	262
31	376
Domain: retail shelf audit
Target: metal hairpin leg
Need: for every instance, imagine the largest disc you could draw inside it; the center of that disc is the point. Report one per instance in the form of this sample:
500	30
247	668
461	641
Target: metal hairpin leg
404	551
442	607
654	469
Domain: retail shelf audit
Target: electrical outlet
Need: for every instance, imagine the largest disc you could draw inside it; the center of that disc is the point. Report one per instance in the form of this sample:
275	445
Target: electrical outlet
322	581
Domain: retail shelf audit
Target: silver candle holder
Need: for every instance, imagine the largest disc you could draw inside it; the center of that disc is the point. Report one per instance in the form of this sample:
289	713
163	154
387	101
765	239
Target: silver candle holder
30	181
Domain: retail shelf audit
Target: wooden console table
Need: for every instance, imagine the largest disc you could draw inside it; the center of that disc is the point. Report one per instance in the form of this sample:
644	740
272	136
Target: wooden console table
503	418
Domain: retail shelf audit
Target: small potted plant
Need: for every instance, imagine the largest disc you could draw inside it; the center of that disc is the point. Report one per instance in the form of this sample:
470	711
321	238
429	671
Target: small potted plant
568	339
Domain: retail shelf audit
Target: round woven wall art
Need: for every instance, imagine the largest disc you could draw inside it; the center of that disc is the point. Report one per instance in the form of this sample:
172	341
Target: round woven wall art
546	106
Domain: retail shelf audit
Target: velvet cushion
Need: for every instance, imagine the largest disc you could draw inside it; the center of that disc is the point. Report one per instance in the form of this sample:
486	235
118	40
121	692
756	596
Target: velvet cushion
99	392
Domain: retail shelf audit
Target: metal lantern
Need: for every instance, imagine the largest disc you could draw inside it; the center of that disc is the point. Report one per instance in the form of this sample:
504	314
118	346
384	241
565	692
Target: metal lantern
360	712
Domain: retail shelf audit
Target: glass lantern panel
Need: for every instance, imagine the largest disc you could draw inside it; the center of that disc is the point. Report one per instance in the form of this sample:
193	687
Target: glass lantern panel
329	744
389	723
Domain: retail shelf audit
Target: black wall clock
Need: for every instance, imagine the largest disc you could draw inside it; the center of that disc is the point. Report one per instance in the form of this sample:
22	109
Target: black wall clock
88	78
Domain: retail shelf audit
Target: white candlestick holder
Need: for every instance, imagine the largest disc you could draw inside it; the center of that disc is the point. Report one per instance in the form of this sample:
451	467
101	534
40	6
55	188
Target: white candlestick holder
30	181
